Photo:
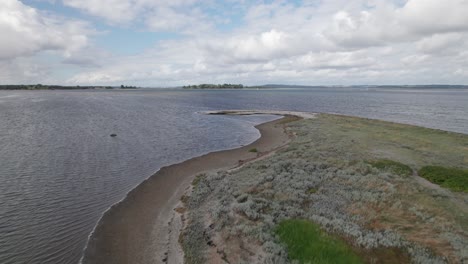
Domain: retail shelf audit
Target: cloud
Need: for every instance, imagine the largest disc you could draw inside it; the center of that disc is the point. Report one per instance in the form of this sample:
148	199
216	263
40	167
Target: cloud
27	31
172	19
385	23
434	16
253	42
24	71
334	42
264	46
442	44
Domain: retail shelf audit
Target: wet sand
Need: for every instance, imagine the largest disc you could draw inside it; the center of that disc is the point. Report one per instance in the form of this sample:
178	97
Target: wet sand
143	227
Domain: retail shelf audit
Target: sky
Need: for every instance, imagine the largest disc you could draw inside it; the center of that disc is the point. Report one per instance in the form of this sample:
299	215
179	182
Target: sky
160	43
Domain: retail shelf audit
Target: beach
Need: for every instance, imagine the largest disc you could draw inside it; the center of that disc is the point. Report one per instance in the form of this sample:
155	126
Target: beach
144	227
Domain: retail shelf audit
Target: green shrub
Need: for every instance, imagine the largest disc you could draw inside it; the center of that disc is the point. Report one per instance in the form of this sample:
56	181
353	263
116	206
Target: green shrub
198	178
307	243
392	166
451	178
254	150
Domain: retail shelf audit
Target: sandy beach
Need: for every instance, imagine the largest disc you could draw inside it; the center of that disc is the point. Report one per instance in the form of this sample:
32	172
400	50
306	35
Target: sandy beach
144	227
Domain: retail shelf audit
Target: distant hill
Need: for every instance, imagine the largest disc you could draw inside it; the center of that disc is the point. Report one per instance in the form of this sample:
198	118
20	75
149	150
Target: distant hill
214	86
431	86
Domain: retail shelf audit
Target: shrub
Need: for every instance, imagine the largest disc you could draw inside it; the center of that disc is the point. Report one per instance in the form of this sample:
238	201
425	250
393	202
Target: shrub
451	178
254	150
197	179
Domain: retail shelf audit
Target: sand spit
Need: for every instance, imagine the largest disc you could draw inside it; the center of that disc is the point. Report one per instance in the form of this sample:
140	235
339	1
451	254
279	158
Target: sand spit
145	226
304	115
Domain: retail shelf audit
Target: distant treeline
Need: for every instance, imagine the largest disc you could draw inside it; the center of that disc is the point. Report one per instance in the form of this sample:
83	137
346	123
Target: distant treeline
127	87
58	87
214	86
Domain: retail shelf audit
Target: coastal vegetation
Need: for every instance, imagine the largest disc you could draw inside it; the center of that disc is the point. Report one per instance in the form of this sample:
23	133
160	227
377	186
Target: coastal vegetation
352	178
307	243
392	166
452	178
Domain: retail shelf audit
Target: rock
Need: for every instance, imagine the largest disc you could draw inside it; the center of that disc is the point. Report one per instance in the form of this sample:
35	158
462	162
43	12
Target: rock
113	135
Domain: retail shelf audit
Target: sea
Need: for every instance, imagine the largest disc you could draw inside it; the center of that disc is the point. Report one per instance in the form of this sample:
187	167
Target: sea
60	169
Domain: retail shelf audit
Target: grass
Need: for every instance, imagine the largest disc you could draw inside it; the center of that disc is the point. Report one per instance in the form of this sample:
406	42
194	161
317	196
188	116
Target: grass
451	178
368	139
307	243
393	166
254	150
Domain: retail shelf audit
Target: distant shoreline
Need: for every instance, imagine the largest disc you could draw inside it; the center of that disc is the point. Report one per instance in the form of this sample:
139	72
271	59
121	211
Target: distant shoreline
229	87
35	87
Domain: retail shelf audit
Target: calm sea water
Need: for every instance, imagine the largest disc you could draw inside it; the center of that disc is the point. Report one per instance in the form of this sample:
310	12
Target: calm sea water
60	169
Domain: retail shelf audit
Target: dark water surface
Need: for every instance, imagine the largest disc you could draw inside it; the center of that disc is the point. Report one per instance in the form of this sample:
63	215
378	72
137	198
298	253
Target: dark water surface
60	169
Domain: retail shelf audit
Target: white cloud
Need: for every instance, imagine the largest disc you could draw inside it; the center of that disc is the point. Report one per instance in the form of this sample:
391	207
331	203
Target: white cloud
434	16
313	42
441	44
385	23
264	46
173	19
335	60
24	71
26	31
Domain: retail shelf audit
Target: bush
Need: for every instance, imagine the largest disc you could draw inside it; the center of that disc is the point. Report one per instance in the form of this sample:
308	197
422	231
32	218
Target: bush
254	150
307	243
392	166
451	178
197	179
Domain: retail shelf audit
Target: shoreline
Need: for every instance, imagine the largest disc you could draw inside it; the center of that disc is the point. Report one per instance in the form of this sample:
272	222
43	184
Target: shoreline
140	228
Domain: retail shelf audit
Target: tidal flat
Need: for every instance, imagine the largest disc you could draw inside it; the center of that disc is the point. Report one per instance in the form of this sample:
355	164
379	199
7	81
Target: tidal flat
355	180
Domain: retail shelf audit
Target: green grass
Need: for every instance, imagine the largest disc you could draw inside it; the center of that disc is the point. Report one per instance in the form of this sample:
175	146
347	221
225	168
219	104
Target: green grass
451	178
307	243
393	166
254	150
